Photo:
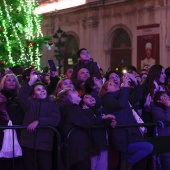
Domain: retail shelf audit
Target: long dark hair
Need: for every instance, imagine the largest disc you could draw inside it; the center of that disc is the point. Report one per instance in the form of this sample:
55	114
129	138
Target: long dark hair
153	75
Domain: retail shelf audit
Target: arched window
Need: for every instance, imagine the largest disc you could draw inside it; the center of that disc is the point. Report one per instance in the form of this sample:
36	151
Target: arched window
121	39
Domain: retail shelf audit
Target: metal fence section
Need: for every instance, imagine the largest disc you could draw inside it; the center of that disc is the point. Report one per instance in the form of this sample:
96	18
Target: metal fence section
160	143
56	133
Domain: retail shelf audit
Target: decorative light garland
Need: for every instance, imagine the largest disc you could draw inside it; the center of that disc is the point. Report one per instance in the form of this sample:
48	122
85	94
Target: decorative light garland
16	32
14	28
6	37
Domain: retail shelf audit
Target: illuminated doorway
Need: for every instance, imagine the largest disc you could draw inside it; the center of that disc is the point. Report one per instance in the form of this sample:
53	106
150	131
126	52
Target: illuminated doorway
70	55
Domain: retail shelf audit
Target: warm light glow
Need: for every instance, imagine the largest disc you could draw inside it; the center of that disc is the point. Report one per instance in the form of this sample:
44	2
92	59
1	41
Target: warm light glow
55	6
124	71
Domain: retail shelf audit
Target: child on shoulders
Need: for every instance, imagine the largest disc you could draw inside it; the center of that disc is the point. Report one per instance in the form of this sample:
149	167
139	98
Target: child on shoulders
84	62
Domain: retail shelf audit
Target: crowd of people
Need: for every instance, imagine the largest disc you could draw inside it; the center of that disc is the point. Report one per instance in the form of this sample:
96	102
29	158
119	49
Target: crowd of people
85	97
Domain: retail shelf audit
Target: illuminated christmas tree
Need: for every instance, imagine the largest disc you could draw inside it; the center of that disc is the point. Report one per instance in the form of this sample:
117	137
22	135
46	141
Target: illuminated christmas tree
21	38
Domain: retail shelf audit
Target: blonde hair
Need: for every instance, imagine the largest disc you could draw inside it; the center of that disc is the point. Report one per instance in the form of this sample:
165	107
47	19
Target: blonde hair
64	98
58	88
2	84
103	89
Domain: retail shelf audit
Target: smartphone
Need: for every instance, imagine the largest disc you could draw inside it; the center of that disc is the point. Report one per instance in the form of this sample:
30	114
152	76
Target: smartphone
52	65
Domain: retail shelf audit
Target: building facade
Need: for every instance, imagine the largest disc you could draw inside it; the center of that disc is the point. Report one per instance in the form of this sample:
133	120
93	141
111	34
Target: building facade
115	32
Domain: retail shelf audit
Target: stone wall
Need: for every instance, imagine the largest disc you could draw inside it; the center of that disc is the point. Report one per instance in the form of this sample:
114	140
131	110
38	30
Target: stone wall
94	24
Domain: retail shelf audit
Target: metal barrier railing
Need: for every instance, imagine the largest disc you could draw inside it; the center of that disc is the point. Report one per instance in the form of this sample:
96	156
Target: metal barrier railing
14	127
155	125
60	145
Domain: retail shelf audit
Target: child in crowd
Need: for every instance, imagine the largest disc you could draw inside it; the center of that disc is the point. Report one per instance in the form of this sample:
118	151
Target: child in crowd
99	154
73	116
68	73
143	75
92	86
39	111
64	83
84	62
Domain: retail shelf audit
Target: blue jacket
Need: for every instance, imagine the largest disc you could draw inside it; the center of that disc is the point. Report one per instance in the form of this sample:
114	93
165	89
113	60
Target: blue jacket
116	103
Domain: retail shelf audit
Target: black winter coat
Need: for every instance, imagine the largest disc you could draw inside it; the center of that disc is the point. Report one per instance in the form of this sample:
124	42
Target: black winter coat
73	116
91	66
13	107
162	114
46	112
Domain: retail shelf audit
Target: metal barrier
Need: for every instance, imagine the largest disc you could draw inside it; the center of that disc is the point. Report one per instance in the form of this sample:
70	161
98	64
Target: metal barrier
149	139
156	140
39	128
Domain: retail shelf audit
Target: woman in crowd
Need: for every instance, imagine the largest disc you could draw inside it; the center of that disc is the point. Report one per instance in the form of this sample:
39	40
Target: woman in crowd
9	88
116	101
155	81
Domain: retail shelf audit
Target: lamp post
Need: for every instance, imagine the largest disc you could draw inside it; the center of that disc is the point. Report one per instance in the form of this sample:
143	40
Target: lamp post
61	38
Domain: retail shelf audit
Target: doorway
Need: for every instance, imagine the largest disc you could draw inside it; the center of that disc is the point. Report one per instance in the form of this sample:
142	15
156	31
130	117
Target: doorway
70	55
121	50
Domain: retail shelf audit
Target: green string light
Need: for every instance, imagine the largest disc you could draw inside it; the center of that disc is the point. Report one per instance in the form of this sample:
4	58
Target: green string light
4	23
13	27
21	37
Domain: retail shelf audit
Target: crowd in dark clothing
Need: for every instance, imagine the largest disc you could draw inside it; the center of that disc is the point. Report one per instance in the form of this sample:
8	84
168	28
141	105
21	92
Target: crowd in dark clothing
83	99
